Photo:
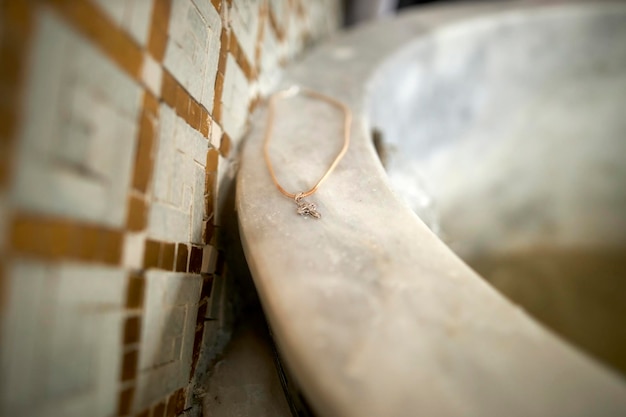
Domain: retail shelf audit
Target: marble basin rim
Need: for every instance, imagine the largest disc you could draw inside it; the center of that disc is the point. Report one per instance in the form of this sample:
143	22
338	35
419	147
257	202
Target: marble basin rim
374	314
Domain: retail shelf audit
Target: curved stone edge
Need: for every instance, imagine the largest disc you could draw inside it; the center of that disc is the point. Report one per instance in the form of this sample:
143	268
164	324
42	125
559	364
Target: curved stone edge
374	315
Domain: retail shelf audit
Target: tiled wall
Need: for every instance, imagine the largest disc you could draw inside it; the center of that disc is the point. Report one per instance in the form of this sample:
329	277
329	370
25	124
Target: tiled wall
119	124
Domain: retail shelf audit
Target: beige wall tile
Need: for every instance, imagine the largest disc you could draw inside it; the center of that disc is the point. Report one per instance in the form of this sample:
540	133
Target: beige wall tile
171	303
64	343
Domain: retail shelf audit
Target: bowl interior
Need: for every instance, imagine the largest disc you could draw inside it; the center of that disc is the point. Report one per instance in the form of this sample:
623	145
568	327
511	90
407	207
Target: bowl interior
507	136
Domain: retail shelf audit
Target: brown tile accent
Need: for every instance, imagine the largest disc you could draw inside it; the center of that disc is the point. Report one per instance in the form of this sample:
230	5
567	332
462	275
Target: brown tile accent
159	410
254	103
17	17
217	99
221	64
144	160
52	238
16	24
87	247
199	331
280	34
210	181
233	43
195	114
151	254
217	4
157	40
135	291
242	60
150	103
202	310
263	14
195	260
197	346
186	107
3	287
219	79
24	236
167	256
225	145
209	193
176	403
212	158
110	246
129	365
137	213
182	256
125	401
8	113
59	238
182	102
205	122
207	286
168	89
10	66
208	197
94	24
132	330
5	165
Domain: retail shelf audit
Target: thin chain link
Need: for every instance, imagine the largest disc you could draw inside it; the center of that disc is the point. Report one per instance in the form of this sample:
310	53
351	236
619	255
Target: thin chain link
290	92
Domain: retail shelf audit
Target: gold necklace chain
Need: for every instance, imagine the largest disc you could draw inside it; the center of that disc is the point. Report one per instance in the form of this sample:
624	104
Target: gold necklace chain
305	208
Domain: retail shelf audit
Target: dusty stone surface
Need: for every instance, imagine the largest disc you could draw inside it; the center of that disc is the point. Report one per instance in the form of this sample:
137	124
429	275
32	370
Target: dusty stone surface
244	382
373	312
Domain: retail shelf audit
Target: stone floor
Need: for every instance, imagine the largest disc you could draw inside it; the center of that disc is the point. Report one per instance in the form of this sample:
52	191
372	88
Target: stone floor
245	382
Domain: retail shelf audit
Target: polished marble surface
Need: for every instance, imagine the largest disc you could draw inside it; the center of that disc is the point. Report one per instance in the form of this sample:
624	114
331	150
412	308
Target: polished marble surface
373	312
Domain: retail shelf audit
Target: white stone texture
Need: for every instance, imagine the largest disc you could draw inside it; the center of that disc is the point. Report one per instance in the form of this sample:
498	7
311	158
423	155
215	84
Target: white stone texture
78	143
235	100
193	48
177	208
244	22
131	15
61	340
271	52
152	74
293	42
321	17
216	135
167	337
133	252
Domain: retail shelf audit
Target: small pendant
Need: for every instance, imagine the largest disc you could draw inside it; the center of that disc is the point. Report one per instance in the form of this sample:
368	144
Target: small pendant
305	208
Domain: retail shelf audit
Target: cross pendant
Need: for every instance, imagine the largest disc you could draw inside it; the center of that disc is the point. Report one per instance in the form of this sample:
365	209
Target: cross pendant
305	208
